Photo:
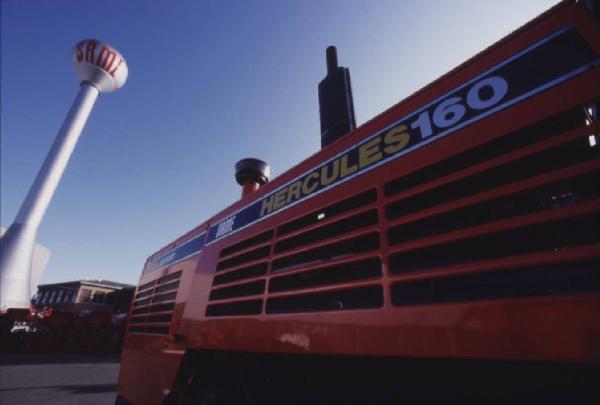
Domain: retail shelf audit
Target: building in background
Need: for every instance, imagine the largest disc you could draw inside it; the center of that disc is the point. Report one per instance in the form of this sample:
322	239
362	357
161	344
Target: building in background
78	295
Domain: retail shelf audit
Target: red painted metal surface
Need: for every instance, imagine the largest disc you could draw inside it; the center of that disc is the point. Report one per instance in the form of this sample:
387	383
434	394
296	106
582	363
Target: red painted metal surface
563	328
249	188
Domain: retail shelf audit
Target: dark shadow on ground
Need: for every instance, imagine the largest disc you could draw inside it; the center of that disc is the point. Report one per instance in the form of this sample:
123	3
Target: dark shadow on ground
74	389
57	358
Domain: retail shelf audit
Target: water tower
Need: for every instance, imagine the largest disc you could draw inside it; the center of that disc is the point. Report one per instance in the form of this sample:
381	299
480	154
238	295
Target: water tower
101	69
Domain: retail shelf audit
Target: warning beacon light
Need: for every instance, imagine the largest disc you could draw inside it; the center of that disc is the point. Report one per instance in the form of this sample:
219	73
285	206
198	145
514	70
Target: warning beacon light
101	69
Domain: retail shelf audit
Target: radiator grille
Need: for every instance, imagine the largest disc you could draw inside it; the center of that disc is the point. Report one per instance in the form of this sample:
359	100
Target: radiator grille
518	216
153	305
240	275
326	251
492	212
324	260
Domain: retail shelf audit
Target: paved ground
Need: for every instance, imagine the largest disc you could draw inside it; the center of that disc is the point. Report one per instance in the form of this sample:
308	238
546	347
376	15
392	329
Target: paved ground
53	379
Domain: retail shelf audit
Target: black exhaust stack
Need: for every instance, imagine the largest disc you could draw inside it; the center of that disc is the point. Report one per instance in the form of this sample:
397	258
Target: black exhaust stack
336	106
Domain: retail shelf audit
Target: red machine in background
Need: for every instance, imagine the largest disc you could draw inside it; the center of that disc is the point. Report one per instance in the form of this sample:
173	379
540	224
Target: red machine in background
74	316
448	249
44	330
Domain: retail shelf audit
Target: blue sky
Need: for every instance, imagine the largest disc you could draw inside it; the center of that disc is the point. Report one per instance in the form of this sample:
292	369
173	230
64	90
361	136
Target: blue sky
210	82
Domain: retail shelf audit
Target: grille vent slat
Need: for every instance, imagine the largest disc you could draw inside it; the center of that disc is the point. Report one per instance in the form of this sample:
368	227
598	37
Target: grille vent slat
165	297
160	318
547	236
251	307
550	196
147	285
239	290
247	243
333	210
362	220
544	280
138	311
256	270
555	158
167	287
170	277
325	252
352	271
142	302
516	140
252	255
157	330
357	298
143	294
162	307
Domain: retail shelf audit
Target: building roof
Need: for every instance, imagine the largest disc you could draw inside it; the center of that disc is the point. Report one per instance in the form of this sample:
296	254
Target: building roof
92	282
